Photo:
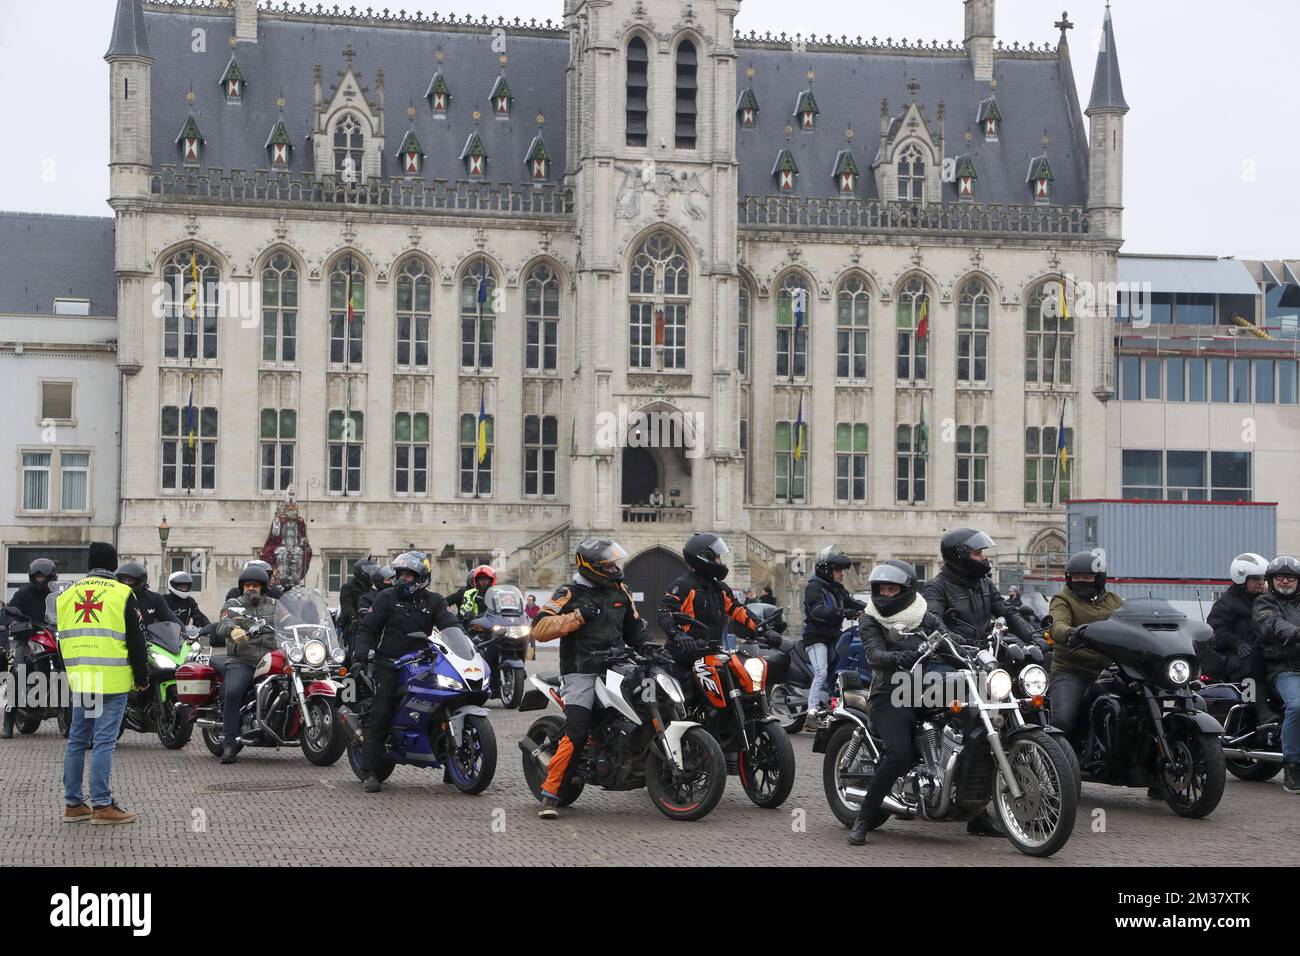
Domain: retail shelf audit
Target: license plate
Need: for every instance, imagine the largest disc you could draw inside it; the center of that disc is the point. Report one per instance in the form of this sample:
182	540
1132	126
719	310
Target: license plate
1169	704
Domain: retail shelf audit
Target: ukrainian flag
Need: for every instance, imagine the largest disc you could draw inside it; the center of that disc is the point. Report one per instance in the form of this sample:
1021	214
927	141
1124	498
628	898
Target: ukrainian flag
482	429
798	432
1061	453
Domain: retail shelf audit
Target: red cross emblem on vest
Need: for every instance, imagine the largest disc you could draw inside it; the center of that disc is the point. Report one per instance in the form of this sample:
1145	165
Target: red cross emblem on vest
88	608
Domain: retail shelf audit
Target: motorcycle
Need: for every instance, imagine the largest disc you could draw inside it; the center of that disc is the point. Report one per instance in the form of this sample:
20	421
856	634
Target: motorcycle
38	678
790	674
294	697
1143	724
501	634
157	708
1252	730
969	753
732	706
440	721
636	740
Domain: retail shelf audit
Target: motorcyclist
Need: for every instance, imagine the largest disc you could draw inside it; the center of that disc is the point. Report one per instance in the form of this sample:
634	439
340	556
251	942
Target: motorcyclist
1277	626
153	609
29	601
699	593
350	595
965	599
1230	657
593	617
272	591
384	635
244	649
826	603
1075	669
468	601
894	603
182	603
381	580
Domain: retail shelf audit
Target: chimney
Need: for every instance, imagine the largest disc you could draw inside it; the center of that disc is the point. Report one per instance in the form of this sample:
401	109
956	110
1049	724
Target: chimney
979	37
246	21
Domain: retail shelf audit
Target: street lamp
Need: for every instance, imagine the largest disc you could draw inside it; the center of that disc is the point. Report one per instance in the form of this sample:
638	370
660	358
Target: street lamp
164	529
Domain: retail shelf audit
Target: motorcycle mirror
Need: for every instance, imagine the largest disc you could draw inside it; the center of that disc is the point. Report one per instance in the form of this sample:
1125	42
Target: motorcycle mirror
417	635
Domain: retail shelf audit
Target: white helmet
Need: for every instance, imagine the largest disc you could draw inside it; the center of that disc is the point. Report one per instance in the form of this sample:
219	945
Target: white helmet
1248	565
176	580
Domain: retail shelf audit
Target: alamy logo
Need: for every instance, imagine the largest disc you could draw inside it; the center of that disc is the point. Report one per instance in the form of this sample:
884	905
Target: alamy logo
76	909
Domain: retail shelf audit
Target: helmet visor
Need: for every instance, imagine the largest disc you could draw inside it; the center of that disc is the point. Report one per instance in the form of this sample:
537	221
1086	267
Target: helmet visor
888	574
611	558
719	548
979	541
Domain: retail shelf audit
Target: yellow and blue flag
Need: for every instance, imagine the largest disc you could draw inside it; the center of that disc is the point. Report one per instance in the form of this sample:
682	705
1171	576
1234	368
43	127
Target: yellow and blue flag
798	432
1061	453
191	420
482	428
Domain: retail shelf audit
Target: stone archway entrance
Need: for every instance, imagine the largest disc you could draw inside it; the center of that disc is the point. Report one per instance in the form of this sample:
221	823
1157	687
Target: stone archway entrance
649	575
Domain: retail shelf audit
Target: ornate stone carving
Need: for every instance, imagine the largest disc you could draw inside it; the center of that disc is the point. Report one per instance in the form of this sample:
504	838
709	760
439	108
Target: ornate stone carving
662	181
192	225
281	228
658	383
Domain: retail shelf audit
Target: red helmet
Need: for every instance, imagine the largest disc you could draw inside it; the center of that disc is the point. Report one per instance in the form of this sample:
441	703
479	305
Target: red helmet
483	571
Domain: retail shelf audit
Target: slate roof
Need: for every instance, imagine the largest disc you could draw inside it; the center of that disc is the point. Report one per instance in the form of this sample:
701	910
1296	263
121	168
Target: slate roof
1107	89
43	257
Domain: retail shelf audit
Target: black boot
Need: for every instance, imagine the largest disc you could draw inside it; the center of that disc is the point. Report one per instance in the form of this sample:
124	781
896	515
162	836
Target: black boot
373	784
228	754
1291	778
858	833
8	731
985	825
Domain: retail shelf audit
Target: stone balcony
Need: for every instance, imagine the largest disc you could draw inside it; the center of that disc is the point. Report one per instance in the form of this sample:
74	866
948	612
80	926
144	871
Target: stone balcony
873	215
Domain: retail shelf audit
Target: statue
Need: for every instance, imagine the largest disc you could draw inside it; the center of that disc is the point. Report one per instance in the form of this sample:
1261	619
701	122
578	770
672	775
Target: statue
287	549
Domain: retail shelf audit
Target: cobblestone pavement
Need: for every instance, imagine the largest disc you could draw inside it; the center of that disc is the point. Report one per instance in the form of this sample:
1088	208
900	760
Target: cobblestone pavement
274	808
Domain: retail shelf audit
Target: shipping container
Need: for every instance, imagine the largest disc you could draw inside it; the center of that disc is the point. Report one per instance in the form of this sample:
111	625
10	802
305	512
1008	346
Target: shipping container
1171	540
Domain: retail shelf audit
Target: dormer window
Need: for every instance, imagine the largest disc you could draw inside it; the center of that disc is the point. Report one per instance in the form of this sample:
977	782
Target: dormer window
990	119
966	177
190	142
349	141
501	98
474	156
233	82
806	110
1041	178
411	155
785	170
846	173
747	109
538	160
911	174
438	95
279	146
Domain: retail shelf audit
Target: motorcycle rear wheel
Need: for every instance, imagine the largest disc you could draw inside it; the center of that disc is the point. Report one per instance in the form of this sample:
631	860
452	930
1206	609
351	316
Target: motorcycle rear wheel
842	806
1040	822
473	762
1202	792
354	761
769	778
701	756
1254	771
324	745
546	733
213	739
780	706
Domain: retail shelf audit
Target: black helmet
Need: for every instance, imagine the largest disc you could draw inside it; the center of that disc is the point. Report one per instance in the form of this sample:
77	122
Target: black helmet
180	584
382	577
893	572
412	561
1283	564
600	561
1090	566
363	572
134	570
829	560
956	546
704	553
252	572
45	567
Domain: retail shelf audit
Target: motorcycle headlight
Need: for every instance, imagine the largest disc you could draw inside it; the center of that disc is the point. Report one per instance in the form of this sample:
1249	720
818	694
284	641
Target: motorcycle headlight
339	655
670	687
295	655
754	668
518	630
315	653
1034	681
499	628
159	661
1179	672
449	683
999	685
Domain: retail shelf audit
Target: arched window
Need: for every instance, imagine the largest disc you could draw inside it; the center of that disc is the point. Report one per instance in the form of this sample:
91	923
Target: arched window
742	333
973	333
1049	335
191	302
851	330
792	301
542	319
477	318
686	86
414	312
913	330
348	143
347	311
659	296
280	310
638	103
911	174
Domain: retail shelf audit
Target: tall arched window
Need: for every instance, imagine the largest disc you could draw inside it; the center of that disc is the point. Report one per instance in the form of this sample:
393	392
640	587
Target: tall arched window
280	310
414	312
542	319
477	318
911	174
686	86
638	101
1049	335
792	301
191	302
742	333
659	296
349	141
913	330
347	311
973	333
851	330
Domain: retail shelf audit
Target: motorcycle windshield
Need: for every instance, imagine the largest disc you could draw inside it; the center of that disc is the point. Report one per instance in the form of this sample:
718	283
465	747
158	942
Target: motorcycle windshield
456	643
504	600
307	621
167	636
1035	602
306	606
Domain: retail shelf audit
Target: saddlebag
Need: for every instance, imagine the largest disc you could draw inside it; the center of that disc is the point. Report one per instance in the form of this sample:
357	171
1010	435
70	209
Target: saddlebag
194	683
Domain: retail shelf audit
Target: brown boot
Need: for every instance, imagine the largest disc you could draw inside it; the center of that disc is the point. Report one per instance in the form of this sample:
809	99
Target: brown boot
78	814
112	814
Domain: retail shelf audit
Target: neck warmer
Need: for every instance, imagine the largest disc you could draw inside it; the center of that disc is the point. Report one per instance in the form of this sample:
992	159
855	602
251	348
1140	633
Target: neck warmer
909	618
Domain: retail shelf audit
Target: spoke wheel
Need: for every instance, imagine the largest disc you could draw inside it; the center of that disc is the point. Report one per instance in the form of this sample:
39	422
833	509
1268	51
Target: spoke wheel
1041	819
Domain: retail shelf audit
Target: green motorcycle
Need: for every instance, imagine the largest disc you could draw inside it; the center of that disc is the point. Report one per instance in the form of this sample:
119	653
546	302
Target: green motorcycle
157	709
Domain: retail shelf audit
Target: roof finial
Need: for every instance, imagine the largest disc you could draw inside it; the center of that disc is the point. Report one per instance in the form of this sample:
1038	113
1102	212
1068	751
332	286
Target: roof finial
349	54
541	119
1064	23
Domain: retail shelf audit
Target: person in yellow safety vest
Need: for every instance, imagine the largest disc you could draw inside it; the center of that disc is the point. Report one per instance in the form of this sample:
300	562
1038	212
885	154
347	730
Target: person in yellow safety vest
101	638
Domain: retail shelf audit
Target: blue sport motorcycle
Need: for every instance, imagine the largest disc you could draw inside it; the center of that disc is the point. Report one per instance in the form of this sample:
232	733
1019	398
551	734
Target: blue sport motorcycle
440	720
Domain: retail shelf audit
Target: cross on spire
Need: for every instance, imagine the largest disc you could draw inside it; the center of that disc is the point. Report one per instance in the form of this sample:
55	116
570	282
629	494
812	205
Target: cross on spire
1064	23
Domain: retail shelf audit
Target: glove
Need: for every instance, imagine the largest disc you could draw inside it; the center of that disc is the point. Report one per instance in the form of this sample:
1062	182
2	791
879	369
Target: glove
907	659
685	647
590	613
238	634
1074	637
1244	650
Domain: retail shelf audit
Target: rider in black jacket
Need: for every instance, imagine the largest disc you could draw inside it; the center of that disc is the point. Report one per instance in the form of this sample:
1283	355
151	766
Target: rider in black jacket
29	601
826	603
1231	655
182	603
153	608
407	608
699	593
350	595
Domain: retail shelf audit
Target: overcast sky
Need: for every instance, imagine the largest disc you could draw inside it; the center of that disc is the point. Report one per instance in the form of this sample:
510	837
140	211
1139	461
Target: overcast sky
1212	136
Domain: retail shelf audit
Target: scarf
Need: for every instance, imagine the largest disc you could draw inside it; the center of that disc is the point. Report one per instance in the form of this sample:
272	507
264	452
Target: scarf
909	618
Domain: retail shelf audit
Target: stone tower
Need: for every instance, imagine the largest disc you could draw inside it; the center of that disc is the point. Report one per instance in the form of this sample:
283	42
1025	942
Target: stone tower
1106	110
979	37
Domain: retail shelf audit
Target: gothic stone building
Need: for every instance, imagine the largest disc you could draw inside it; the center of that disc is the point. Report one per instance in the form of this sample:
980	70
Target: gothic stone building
441	262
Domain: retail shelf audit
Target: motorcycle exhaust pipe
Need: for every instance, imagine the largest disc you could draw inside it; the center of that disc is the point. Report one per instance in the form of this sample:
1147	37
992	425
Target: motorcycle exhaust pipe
351	724
890	802
1264	756
536	751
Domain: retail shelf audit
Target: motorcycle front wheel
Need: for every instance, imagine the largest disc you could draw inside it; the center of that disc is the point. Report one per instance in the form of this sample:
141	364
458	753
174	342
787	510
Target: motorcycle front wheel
473	761
767	768
846	765
512	688
1194	786
1041	819
173	731
697	791
324	741
26	723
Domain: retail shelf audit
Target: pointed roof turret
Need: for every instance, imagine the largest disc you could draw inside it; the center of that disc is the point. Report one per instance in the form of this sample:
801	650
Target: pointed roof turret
1107	89
129	35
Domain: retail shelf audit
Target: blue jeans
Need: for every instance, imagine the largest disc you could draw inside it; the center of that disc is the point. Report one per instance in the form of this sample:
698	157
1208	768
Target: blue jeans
819	657
95	723
1288	688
